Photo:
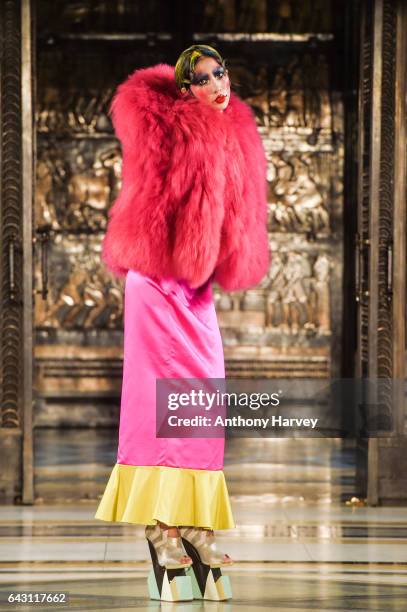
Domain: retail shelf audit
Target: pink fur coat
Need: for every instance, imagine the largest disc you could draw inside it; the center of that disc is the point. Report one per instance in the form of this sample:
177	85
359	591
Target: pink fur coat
193	200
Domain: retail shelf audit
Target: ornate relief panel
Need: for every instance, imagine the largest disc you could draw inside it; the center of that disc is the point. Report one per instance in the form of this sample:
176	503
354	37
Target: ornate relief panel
286	323
283	326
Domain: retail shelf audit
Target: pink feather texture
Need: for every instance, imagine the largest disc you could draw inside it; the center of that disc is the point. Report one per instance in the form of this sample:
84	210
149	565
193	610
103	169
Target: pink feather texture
192	205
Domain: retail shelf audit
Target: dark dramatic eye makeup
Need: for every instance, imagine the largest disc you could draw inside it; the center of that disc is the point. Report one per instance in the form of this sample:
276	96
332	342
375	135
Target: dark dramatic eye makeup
218	73
202	78
199	79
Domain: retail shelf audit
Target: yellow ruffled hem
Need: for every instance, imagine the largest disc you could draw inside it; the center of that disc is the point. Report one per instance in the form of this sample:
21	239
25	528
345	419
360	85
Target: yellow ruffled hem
174	496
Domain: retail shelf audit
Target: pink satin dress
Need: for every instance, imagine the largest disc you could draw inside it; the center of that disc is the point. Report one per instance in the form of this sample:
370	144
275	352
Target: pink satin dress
170	331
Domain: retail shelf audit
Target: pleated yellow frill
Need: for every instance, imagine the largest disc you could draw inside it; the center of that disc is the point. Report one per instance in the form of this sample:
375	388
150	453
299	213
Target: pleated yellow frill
175	496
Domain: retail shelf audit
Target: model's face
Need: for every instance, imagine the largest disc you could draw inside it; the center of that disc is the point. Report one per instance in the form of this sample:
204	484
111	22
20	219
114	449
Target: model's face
210	83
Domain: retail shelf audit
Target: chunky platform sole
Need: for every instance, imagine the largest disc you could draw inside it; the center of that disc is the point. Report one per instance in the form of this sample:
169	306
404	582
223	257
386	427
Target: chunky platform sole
168	584
207	582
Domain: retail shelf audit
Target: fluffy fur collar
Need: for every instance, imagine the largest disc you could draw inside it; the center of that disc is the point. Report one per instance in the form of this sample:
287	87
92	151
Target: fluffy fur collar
193	200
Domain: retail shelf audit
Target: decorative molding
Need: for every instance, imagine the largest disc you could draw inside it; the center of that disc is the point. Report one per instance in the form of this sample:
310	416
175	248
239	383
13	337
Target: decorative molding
386	194
362	253
11	228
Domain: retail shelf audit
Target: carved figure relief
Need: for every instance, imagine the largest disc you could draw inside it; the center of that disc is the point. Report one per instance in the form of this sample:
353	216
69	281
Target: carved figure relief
82	113
79	179
296	201
45	214
84	294
297	295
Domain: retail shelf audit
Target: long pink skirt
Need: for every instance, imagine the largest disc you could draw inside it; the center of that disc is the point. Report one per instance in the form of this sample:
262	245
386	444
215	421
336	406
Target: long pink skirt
170	331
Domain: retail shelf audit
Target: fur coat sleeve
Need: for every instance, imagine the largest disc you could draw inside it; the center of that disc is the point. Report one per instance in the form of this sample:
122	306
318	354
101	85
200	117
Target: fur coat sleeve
193	199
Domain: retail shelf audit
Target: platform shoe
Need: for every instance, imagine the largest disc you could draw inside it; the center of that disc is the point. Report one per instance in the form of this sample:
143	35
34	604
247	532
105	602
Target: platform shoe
167	580
208	582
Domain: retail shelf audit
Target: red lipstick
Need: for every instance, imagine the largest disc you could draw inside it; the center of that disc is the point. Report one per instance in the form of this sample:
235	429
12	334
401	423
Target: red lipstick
221	98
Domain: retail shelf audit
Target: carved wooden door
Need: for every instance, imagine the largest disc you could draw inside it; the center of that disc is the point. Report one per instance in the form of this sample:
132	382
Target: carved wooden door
381	244
283	64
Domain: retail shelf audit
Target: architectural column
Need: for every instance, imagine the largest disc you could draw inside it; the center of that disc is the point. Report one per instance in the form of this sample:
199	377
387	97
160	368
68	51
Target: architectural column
16	173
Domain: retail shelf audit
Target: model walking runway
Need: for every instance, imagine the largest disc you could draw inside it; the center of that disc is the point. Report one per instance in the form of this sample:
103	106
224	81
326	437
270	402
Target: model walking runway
192	210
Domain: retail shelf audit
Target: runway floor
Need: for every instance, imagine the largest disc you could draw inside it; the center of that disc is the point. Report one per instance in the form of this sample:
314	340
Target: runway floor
298	545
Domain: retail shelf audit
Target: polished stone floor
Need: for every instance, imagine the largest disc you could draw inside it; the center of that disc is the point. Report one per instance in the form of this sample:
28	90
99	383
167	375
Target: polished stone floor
299	543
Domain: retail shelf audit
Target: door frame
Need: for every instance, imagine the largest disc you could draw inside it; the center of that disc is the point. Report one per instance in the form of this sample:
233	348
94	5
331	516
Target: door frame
17	173
28	194
381	233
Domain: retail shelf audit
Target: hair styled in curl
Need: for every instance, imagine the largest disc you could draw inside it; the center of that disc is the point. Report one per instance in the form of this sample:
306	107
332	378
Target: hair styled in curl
185	66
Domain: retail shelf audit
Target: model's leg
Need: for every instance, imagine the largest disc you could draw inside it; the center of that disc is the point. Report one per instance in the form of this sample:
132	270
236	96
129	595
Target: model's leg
167	580
204	541
211	538
206	574
173	532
